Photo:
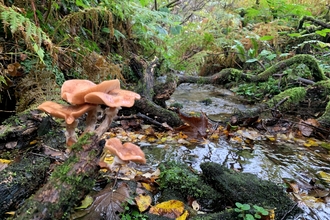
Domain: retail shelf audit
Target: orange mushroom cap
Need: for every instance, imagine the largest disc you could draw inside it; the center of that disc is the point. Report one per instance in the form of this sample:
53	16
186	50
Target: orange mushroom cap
76	96
69	113
70	87
125	152
115	98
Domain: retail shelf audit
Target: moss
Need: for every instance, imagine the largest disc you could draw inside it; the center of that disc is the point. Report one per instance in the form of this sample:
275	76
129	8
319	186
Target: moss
306	59
325	118
247	188
83	140
295	95
180	178
61	171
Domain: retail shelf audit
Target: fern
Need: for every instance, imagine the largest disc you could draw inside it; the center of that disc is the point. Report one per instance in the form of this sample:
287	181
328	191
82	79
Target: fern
18	24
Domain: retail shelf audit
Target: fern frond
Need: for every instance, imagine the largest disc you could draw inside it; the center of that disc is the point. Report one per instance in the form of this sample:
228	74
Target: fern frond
19	24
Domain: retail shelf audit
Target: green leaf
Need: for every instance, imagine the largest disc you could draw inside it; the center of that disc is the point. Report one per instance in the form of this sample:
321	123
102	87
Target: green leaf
175	30
249	217
323	32
294	35
88	200
80	3
143	3
251	60
267	38
245	207
2	80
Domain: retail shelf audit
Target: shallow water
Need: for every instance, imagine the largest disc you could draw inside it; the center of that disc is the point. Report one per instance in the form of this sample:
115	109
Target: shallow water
268	160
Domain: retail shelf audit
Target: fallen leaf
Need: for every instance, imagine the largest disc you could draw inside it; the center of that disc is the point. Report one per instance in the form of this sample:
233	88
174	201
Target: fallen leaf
304	127
88	200
170	209
143	202
108	204
325	176
195	126
184	216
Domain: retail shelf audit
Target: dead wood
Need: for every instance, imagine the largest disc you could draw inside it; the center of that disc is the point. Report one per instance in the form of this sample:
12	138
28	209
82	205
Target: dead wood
21	179
315	21
67	185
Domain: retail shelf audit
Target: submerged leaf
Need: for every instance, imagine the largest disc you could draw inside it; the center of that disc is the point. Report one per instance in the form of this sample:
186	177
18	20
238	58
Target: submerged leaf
195	127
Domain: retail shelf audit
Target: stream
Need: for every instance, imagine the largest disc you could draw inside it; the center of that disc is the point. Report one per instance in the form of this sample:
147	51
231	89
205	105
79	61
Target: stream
270	160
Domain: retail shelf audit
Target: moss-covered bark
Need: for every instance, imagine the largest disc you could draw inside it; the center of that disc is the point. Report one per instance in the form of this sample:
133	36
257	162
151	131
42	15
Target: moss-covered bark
20	179
294	95
247	188
221	78
182	182
68	184
164	115
306	59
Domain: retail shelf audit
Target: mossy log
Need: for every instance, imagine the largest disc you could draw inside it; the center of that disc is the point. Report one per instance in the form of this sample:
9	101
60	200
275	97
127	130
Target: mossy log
227	75
315	21
221	78
153	110
21	179
248	188
67	185
306	59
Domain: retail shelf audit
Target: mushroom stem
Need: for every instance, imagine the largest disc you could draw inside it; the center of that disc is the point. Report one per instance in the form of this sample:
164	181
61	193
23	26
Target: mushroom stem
70	134
116	163
110	113
91	119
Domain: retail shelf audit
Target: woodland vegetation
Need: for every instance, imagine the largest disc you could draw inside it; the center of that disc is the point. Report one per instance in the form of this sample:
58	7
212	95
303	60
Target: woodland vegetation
274	53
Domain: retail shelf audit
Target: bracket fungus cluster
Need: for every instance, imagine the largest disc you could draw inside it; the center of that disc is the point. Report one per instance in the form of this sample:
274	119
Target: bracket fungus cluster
86	97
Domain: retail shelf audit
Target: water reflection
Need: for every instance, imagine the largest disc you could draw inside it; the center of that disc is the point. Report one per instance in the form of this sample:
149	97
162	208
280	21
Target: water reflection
268	161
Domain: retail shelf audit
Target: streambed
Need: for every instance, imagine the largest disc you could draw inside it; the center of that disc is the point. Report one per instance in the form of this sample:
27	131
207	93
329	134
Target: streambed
276	161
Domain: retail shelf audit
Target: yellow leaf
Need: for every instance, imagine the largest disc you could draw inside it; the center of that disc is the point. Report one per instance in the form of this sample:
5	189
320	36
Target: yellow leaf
33	142
325	176
311	143
143	202
170	209
10	213
270	137
5	161
183	216
148	187
214	136
151	139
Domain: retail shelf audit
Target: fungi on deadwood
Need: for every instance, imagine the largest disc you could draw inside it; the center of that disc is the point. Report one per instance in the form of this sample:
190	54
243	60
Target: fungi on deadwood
69	113
123	153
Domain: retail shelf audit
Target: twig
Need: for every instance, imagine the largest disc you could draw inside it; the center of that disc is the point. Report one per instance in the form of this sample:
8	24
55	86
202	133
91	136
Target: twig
294	206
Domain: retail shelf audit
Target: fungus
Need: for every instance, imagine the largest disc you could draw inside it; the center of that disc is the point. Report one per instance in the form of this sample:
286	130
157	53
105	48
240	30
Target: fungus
84	91
75	90
123	153
114	99
69	114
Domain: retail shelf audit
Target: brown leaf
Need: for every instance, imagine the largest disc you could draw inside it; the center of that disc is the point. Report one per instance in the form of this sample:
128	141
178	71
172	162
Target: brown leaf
107	204
13	69
195	127
304	127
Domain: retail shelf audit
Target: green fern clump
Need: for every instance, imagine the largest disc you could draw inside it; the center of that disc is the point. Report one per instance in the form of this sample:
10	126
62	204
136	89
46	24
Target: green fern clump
33	36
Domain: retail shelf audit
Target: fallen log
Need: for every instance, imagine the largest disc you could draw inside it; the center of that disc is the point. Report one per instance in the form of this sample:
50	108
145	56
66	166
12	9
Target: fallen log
68	183
21	179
